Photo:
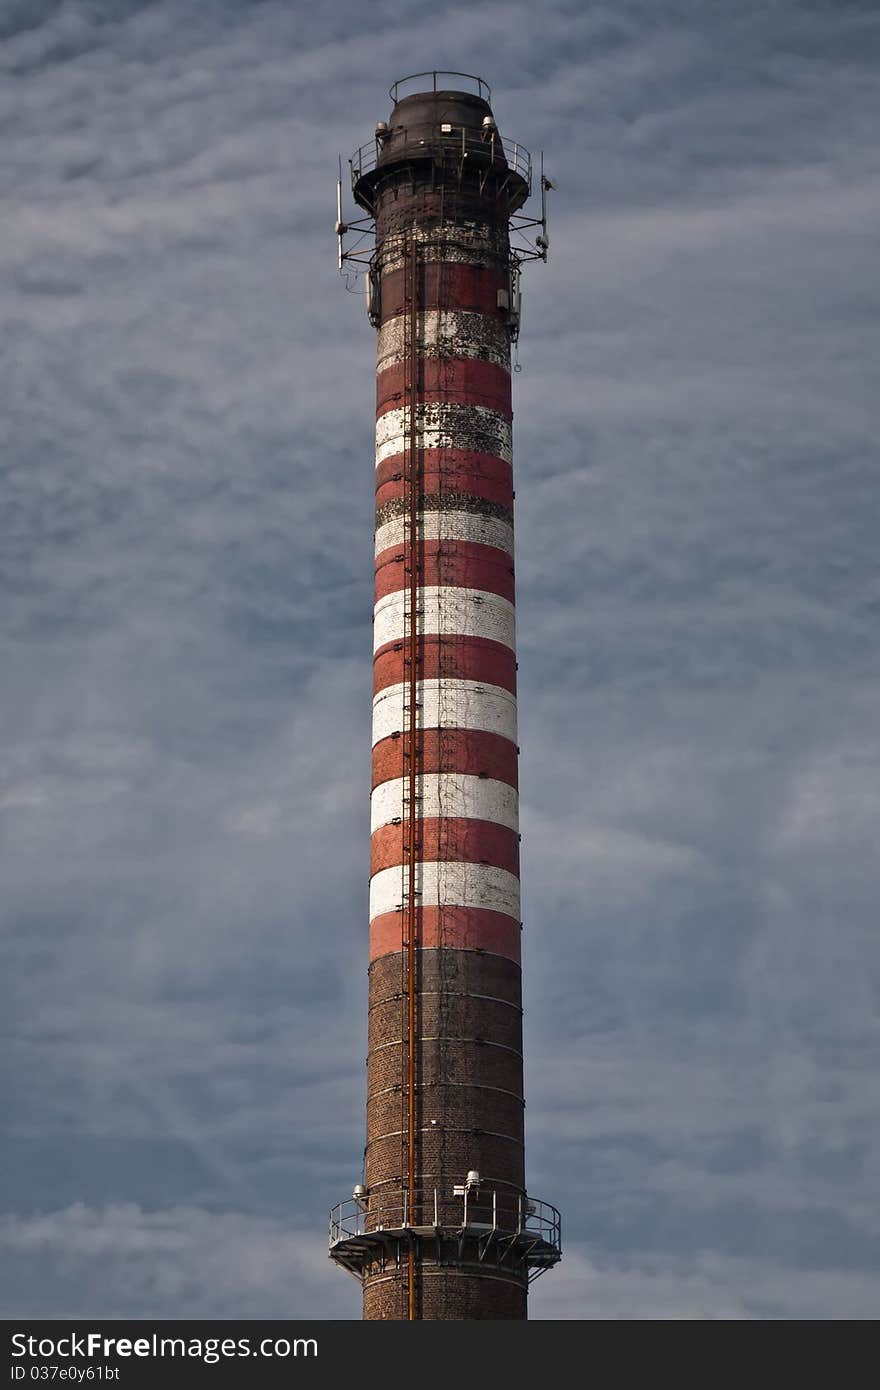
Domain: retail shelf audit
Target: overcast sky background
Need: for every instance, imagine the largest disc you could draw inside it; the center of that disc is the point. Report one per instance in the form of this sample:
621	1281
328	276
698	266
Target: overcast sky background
186	545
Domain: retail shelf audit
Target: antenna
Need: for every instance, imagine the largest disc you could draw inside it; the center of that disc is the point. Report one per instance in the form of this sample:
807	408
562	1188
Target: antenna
352	260
341	227
543	241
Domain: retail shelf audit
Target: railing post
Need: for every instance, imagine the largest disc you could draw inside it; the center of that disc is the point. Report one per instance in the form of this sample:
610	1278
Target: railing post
436	1221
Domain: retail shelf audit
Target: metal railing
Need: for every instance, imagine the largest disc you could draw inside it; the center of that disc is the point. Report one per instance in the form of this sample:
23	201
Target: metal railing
477	87
482	1210
459	145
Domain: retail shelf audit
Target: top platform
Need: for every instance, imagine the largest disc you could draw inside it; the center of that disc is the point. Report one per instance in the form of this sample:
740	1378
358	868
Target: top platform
442	121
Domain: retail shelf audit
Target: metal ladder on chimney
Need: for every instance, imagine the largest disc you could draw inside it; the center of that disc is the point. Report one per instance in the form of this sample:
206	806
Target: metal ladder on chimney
410	819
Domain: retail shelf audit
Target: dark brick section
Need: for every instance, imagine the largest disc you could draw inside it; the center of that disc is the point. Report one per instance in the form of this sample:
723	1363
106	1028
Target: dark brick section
452	1110
450	1292
469	1071
469	972
452	1060
443	1151
462	1017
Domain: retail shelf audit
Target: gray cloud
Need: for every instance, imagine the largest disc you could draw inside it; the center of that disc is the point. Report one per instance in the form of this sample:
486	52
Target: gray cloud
153	1264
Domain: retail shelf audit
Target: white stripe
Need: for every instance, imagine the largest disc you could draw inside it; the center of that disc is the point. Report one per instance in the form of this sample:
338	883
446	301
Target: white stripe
461	795
446	884
445	611
440	425
445	703
453	333
452	525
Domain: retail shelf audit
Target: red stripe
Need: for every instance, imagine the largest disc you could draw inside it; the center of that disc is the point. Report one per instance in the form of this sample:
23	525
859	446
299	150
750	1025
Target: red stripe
450	839
448	285
458	658
467	381
462	564
459	928
473	751
449	470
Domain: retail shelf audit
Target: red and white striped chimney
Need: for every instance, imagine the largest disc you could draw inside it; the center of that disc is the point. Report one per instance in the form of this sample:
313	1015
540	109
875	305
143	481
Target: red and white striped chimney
441	1226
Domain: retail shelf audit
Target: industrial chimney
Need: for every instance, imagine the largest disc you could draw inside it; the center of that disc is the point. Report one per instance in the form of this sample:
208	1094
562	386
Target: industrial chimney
441	1226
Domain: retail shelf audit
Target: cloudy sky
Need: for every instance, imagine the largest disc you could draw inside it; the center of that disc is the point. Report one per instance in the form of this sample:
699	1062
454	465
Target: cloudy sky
186	547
